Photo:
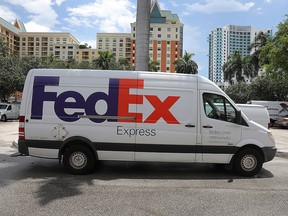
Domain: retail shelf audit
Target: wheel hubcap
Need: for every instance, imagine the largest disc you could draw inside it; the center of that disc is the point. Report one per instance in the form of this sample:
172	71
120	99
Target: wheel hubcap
249	162
78	160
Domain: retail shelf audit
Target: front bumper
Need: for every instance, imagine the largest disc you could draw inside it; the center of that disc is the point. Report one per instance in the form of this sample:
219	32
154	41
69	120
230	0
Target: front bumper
269	153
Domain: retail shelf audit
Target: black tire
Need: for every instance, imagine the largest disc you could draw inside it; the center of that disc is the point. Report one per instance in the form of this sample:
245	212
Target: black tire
248	162
79	160
3	118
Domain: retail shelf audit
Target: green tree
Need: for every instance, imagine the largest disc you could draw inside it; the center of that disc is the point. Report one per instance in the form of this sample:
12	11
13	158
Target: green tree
11	76
237	68
274	55
269	88
256	47
3	47
186	64
105	60
123	64
84	46
239	92
153	65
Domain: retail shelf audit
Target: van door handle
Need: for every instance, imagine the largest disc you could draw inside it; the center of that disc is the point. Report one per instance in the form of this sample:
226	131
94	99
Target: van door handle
190	125
207	126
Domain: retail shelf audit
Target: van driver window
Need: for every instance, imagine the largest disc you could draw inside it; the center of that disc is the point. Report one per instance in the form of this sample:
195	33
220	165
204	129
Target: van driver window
218	107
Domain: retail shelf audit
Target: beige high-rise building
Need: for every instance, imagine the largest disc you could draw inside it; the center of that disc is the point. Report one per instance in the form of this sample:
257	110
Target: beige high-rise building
87	55
118	43
43	44
10	34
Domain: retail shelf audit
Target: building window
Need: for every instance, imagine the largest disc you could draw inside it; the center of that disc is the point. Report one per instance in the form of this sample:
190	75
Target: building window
159	29
159	35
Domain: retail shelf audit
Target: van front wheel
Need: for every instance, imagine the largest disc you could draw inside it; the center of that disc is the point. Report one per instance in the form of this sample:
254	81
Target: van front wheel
3	118
248	162
78	160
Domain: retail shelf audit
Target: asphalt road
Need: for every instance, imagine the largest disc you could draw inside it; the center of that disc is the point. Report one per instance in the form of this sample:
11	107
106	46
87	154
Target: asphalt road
34	186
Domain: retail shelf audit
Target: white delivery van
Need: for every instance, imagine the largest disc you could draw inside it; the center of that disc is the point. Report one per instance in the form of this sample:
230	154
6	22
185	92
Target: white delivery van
256	113
276	109
87	115
8	111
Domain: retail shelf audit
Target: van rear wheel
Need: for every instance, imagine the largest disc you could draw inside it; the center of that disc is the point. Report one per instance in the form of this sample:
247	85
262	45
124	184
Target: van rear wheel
78	160
248	162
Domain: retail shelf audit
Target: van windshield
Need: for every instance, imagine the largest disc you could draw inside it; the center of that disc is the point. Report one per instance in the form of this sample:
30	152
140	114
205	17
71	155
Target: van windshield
3	106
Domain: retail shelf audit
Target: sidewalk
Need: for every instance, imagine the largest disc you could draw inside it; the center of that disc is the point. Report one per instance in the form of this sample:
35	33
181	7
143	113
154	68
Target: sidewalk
281	138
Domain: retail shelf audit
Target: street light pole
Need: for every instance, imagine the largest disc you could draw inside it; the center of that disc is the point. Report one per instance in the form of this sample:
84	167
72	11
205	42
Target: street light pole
142	35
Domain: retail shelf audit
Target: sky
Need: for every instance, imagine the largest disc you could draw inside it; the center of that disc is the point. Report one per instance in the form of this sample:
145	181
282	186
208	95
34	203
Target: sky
85	18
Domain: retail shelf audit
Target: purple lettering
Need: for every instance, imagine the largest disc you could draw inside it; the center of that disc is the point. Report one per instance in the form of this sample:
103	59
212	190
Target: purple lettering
61	104
39	94
111	99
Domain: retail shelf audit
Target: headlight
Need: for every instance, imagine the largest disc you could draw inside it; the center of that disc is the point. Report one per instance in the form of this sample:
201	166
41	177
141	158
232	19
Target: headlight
270	135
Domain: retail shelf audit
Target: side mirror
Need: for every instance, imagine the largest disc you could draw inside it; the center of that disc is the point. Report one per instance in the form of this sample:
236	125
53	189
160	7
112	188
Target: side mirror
238	117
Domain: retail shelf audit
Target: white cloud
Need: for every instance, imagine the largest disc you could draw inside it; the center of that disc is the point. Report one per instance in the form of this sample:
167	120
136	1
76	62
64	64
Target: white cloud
259	10
268	1
107	15
7	14
58	2
162	6
41	13
216	6
35	27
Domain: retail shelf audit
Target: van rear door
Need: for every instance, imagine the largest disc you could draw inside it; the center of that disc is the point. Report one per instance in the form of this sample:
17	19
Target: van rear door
219	131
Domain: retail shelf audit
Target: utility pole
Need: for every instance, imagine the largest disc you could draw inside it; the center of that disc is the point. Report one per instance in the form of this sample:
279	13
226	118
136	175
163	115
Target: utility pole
142	34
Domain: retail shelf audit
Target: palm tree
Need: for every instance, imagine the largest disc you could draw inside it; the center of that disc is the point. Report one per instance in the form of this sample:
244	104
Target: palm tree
238	67
260	41
105	60
186	64
123	64
153	65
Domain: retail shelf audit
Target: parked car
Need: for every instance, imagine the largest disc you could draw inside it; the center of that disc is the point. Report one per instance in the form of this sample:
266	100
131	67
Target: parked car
282	122
8	111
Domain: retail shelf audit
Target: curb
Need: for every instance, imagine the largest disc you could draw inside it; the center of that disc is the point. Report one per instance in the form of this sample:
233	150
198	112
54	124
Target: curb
282	154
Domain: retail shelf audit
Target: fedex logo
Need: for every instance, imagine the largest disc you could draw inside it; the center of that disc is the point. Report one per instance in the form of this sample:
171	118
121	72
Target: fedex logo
118	100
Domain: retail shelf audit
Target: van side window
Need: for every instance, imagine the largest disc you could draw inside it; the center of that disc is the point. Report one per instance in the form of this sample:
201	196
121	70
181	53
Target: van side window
218	107
9	107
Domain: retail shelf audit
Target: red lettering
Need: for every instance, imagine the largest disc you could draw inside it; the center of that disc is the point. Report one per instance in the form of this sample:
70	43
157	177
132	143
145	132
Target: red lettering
125	99
161	109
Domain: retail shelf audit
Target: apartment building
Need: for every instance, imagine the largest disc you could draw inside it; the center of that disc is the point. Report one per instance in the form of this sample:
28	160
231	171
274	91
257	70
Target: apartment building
43	44
117	43
86	55
166	38
224	41
10	34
